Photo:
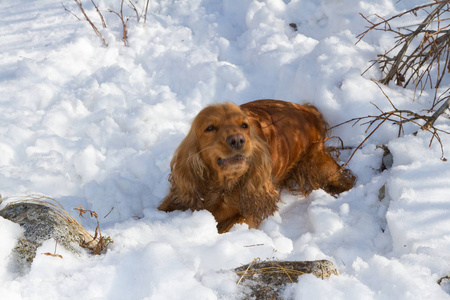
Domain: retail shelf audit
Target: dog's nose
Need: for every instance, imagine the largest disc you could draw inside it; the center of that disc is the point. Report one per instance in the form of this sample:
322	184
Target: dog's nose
236	141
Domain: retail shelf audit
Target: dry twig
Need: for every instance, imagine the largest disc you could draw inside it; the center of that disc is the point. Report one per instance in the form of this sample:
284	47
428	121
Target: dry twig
145	13
398	117
99	34
442	279
70	12
103	242
124	21
99	13
430	55
54	253
133	7
121	14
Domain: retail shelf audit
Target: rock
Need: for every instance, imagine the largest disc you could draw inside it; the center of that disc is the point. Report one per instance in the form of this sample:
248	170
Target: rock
388	160
293	26
44	218
266	279
382	192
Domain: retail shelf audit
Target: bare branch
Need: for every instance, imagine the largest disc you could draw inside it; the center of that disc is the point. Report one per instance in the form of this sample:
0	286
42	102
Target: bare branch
124	22
90	22
69	11
146	10
426	65
407	42
400	117
362	143
385	22
436	115
392	104
99	13
133	7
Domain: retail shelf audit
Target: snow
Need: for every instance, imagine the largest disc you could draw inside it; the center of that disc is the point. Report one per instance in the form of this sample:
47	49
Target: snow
96	126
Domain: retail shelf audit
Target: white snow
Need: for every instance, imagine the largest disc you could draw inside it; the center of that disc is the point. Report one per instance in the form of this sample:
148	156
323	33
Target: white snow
96	126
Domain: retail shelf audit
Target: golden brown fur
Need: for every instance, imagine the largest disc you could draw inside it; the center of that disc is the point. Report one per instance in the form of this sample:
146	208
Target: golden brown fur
235	159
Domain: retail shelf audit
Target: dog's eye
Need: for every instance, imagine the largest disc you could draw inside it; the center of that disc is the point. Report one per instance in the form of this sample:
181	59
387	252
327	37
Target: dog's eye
244	125
210	128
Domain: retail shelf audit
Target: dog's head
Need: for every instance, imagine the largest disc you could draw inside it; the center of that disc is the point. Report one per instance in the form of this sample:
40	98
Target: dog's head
225	141
221	149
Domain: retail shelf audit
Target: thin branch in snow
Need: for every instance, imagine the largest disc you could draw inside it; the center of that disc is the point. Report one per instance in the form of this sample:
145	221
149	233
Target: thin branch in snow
99	34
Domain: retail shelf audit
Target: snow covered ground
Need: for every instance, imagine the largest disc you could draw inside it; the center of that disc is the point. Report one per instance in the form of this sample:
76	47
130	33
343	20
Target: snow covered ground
96	126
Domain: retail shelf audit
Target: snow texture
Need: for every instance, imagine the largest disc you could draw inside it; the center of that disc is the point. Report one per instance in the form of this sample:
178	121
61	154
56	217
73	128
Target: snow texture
96	126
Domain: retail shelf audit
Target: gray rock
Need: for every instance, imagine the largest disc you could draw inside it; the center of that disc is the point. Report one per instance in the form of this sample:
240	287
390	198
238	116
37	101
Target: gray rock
266	279
43	218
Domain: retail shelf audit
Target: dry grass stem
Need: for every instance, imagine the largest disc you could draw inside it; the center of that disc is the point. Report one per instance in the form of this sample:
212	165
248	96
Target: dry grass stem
101	242
245	272
54	253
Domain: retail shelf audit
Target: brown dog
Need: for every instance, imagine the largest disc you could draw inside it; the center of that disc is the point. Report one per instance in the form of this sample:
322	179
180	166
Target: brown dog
235	159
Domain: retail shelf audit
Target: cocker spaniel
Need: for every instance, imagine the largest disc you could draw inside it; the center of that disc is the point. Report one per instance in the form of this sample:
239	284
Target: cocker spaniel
236	159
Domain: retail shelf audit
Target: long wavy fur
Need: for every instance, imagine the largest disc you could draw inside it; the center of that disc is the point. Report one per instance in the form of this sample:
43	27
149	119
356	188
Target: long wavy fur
192	187
285	139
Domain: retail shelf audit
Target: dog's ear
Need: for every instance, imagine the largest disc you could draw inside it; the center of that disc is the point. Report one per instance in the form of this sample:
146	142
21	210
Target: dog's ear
259	196
188	175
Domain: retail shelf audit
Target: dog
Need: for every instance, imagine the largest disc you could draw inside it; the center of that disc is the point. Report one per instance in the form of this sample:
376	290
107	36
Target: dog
235	160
